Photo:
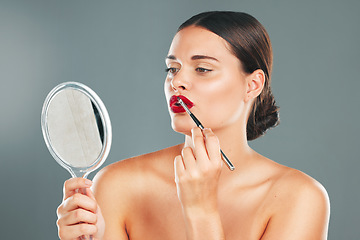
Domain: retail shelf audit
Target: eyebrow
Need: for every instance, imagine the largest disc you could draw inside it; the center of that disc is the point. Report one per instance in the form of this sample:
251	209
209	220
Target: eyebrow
171	57
195	57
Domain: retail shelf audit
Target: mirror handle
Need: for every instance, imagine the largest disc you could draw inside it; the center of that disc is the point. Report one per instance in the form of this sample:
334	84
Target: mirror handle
83	191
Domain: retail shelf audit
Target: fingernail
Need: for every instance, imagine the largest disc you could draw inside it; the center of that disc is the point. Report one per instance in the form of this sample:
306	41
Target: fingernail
88	182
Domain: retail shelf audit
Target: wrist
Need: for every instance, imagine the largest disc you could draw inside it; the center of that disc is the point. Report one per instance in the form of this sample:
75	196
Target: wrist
199	212
203	224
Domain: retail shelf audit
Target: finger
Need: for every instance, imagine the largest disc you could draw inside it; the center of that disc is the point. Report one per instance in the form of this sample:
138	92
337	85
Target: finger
79	200
78	216
212	145
178	167
89	193
199	145
71	185
75	231
188	158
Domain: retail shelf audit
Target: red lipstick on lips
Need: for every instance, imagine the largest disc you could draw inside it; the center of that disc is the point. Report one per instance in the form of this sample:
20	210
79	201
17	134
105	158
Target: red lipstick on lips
176	107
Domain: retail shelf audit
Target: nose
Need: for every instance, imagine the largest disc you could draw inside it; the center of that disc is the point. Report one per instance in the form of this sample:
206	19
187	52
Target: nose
179	82
175	85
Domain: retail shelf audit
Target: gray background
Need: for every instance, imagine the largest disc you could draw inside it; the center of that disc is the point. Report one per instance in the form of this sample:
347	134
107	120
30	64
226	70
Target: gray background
118	49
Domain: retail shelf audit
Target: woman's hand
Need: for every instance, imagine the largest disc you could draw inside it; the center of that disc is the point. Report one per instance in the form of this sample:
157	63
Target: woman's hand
197	172
79	214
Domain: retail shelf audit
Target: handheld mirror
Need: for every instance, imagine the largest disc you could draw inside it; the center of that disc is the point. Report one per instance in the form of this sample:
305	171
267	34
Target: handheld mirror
76	128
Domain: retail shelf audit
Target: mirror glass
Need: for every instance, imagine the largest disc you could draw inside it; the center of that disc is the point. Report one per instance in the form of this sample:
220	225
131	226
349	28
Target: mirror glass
76	128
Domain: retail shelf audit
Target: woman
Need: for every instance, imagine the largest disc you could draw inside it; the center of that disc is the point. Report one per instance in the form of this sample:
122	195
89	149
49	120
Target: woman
219	63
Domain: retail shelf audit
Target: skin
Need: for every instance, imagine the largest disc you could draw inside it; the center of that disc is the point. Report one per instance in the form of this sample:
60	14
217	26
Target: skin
185	191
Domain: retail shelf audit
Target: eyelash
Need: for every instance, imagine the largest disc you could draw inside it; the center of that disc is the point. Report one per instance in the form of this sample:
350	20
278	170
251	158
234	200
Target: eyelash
203	70
174	70
171	70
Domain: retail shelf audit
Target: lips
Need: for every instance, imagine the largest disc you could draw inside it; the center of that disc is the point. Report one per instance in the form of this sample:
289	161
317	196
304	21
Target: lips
176	107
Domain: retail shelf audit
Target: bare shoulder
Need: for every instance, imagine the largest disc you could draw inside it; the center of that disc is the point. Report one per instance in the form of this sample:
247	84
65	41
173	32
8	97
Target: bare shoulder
299	204
289	183
119	186
294	184
131	174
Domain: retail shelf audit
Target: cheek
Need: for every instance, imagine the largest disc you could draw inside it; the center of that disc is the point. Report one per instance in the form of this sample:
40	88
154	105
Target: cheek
167	89
229	90
222	102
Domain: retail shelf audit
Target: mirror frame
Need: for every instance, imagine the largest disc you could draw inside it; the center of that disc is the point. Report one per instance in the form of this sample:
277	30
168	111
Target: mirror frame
95	99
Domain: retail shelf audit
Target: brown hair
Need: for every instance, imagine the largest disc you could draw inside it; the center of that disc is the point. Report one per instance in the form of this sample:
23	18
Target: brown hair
250	43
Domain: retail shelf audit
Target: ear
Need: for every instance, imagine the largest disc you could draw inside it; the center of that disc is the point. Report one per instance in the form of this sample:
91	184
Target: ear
255	84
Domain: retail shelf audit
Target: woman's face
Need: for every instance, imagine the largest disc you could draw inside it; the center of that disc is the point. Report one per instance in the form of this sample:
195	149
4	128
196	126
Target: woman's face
203	70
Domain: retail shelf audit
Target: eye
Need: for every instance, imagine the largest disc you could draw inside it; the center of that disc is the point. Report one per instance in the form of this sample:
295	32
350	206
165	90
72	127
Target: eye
202	70
171	70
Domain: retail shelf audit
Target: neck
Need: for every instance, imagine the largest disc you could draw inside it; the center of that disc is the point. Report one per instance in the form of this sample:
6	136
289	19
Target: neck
233	143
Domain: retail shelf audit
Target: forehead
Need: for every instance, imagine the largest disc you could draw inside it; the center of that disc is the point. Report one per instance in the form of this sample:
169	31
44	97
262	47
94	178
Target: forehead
194	40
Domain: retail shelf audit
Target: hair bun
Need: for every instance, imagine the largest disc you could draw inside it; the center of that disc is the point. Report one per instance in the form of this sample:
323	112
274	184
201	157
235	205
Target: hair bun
266	116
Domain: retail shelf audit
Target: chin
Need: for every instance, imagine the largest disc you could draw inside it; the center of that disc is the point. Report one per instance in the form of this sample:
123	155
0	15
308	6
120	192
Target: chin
182	126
